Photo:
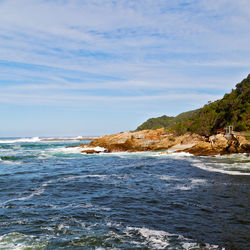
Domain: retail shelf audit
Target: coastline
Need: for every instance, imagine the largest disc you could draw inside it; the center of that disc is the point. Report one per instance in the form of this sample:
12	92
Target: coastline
160	140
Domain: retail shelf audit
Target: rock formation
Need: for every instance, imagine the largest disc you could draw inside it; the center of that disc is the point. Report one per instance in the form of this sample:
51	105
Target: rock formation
146	140
219	144
159	139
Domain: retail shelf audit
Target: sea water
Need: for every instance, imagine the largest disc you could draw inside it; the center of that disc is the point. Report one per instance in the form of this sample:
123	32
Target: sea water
53	197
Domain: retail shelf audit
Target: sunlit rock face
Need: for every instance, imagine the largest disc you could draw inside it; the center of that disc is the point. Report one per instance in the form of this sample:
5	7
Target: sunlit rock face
219	144
159	139
144	140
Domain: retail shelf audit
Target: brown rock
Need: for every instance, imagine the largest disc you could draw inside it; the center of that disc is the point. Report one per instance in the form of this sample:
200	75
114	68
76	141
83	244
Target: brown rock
145	140
159	139
201	148
218	142
90	151
238	144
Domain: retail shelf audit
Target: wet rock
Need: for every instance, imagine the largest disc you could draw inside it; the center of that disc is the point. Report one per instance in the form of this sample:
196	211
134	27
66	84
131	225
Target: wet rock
90	151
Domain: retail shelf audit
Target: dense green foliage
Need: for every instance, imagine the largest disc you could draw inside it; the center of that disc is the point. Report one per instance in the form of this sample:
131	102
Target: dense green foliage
232	109
165	121
154	123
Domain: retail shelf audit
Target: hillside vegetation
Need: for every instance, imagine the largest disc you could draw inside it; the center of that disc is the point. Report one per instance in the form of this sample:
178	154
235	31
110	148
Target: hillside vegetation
232	109
165	121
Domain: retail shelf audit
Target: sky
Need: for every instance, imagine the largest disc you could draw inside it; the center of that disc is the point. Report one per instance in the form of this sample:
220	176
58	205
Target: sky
95	67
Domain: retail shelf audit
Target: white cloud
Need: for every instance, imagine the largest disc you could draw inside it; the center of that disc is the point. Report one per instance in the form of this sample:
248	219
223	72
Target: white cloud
144	44
53	98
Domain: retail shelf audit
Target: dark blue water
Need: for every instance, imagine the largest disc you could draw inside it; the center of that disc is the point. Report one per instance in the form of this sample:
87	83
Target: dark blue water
56	198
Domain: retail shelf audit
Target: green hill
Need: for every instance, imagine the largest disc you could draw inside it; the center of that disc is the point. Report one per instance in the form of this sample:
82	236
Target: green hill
154	123
165	121
232	109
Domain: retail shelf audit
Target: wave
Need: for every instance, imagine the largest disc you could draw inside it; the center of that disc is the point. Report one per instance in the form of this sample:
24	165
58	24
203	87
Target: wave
232	165
156	239
174	183
65	150
148	154
19	241
73	150
213	169
38	139
37	192
16	158
33	139
190	184
8	162
76	138
97	149
135	237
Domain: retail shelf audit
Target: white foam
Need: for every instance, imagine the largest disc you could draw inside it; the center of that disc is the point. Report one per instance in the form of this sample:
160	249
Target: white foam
11	162
19	222
58	139
241	156
180	154
196	181
164	154
44	156
37	192
154	238
65	150
19	241
48	228
97	149
83	176
182	184
214	168
183	187
157	239
190	184
73	150
168	178
33	139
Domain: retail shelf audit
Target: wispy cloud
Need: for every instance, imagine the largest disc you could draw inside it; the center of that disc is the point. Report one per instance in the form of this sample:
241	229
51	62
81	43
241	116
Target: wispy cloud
76	52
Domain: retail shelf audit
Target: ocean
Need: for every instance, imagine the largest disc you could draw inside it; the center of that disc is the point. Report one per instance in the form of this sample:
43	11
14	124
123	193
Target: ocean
53	197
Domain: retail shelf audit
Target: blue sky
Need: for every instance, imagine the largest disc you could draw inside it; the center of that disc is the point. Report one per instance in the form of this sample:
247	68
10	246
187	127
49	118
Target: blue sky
92	67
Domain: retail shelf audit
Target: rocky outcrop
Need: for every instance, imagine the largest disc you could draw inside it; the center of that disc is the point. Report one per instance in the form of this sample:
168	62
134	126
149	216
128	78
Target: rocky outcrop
159	139
145	140
220	144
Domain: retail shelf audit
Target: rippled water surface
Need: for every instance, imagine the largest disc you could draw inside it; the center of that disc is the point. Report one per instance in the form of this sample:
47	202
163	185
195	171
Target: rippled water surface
53	197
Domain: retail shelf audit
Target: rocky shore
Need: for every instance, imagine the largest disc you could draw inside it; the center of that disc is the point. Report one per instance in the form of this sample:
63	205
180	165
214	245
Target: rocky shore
159	139
220	144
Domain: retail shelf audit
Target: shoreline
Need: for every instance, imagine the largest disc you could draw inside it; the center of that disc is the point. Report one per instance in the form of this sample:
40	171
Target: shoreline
159	139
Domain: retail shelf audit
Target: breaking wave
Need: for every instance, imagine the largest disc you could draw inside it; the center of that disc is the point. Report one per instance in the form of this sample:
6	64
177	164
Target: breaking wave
33	139
18	241
236	164
155	239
